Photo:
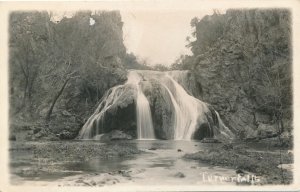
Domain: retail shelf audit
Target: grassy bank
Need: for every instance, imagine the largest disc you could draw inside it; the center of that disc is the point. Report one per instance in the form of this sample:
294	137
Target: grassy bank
242	158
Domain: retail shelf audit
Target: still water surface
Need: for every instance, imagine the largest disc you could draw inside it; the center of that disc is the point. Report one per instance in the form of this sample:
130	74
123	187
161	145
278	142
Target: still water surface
163	165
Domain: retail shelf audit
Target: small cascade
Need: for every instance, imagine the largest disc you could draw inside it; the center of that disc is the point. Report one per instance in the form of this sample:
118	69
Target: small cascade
144	119
189	114
96	120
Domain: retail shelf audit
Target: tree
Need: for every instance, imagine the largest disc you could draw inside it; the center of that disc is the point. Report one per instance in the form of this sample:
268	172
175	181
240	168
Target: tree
160	67
68	77
28	45
194	22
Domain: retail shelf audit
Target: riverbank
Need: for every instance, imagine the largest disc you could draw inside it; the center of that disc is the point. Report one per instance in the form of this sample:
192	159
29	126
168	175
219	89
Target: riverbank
263	163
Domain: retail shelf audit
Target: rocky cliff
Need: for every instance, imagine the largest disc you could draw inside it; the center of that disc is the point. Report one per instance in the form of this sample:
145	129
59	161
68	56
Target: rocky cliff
242	62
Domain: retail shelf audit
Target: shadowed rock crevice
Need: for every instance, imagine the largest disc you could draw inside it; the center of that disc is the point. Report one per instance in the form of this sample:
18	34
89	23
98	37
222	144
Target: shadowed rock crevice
123	119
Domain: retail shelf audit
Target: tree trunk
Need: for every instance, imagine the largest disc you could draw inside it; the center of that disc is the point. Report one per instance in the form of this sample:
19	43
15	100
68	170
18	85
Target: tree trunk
55	99
30	93
24	97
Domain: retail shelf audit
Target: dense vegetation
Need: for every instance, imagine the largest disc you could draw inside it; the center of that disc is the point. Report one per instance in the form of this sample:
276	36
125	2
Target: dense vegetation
60	69
242	60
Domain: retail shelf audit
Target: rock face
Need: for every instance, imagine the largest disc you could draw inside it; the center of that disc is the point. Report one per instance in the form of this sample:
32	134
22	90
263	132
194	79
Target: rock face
162	113
242	62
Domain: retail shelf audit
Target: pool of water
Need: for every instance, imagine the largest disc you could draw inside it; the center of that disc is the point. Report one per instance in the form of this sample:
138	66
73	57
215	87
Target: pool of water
161	163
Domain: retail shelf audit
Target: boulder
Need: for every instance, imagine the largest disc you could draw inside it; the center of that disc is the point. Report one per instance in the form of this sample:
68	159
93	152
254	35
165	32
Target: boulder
262	118
239	171
119	135
179	175
113	135
65	135
12	138
266	130
286	135
210	140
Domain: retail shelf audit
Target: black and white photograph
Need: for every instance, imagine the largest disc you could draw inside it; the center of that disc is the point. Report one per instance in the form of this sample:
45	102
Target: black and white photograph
149	95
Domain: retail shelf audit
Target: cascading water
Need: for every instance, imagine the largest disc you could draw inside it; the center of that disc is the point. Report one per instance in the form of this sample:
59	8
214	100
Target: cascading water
189	114
143	112
188	110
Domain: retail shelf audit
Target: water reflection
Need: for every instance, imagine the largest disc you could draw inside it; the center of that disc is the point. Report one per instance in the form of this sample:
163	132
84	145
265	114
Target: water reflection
184	146
98	165
160	159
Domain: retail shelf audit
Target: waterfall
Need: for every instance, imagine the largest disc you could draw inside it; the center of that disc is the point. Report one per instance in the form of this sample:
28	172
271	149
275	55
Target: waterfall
188	109
97	118
143	112
189	114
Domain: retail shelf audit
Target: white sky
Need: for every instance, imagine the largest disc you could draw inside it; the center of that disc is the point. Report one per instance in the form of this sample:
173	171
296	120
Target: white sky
158	36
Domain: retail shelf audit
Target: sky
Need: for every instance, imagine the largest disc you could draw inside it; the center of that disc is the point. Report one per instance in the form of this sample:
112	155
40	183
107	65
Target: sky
155	36
159	37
